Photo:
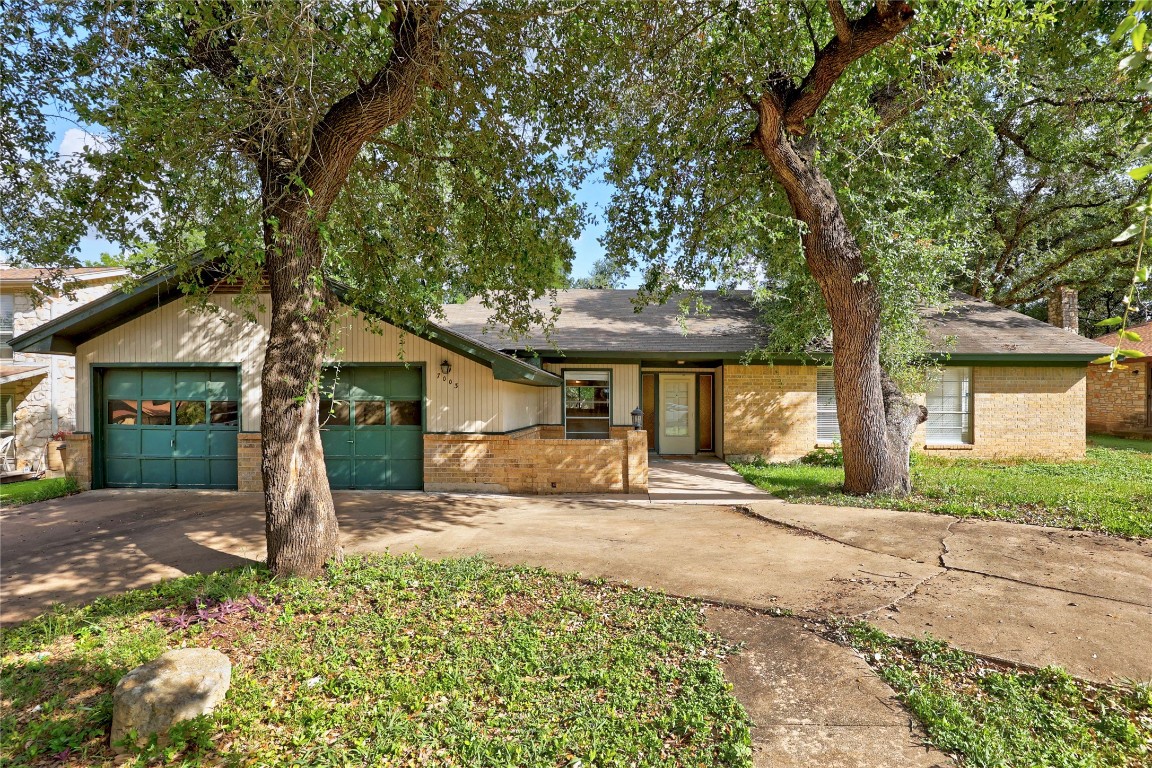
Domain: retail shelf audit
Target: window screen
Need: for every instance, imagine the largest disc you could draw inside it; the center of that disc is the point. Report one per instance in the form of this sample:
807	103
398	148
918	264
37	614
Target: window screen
950	407
827	425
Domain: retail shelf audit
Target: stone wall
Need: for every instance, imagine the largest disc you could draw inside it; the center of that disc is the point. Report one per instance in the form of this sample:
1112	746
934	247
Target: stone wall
531	461
769	411
45	404
1117	399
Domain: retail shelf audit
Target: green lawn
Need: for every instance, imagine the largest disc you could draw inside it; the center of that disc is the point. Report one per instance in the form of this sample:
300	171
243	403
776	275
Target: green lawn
1111	491
28	491
995	716
395	661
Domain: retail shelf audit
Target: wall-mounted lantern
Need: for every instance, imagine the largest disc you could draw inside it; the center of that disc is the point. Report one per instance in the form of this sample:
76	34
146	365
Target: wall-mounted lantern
637	418
445	367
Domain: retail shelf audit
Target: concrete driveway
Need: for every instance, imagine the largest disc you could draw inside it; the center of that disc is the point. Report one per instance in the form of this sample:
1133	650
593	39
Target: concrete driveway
1031	595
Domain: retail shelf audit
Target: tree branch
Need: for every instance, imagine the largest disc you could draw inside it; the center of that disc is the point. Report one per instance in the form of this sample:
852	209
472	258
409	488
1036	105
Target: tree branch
840	21
375	105
881	24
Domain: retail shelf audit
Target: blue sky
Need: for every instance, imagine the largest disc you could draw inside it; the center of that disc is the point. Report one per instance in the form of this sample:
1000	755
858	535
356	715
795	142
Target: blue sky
594	195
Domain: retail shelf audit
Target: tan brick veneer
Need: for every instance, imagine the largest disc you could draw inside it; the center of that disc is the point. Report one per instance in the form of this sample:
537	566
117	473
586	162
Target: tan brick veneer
536	460
1023	412
78	459
769	411
248	476
1028	412
1116	401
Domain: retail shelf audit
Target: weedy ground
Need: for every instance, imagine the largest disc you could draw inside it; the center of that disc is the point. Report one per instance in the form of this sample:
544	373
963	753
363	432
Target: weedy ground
392	661
992	715
1110	491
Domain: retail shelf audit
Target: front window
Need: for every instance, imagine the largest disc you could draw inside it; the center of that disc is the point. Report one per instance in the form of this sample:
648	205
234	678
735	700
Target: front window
950	407
587	404
827	425
7	316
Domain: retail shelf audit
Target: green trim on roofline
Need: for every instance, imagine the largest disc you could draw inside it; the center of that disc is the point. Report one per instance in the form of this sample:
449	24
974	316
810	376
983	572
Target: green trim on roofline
815	358
64	334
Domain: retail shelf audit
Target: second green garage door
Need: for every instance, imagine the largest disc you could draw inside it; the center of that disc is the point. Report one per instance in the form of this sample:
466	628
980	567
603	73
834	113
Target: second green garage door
372	427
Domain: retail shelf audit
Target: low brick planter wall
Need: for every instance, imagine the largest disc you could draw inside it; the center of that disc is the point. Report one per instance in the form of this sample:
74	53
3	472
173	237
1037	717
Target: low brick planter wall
77	454
536	460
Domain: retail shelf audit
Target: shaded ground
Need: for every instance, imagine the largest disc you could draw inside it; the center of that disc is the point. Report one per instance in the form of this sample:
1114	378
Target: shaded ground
1030	595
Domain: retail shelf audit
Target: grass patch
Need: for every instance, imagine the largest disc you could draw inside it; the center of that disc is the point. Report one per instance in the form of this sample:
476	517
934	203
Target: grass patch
391	661
1110	492
995	716
28	491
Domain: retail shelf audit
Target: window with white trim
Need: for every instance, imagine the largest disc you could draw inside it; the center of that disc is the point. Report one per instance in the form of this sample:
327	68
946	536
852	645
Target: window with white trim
949	407
587	404
827	425
7	319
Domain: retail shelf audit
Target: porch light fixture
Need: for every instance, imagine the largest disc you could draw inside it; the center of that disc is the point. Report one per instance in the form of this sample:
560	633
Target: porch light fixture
445	367
637	418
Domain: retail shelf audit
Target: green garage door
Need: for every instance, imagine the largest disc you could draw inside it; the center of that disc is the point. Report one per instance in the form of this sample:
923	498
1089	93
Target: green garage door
372	427
170	428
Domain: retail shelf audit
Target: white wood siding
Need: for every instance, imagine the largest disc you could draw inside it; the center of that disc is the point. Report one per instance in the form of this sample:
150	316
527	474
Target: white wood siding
468	400
625	391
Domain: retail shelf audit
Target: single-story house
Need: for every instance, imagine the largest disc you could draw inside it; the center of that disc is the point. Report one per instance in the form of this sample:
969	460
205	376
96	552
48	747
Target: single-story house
37	391
1120	400
170	397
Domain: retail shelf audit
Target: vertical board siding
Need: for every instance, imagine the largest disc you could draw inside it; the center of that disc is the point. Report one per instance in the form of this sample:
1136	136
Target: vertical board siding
625	391
469	399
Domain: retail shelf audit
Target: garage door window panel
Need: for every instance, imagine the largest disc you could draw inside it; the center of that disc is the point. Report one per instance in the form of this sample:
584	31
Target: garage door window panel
404	413
190	413
371	413
225	413
156	412
122	412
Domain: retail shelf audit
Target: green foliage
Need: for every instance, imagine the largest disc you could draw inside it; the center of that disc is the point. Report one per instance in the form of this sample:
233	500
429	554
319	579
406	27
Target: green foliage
470	194
694	205
824	457
28	491
1110	492
995	716
457	662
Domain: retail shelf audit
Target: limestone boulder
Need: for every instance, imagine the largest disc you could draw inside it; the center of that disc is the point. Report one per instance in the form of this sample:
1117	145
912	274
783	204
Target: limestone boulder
179	685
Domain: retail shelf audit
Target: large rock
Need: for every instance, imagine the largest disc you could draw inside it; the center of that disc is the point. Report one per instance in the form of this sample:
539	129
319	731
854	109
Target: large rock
179	685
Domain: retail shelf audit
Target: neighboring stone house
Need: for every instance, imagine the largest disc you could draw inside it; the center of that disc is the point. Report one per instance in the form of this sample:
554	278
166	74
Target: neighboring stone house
1120	400
38	391
169	396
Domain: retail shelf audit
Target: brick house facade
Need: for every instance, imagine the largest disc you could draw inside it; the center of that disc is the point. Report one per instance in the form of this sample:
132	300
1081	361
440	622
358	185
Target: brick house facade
1119	401
454	406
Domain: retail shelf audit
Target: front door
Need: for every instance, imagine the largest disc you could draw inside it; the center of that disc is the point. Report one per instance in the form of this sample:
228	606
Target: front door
677	414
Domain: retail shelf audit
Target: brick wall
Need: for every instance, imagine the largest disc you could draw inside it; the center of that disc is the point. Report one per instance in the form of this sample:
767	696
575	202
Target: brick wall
769	411
78	459
1026	412
530	461
1116	399
248	477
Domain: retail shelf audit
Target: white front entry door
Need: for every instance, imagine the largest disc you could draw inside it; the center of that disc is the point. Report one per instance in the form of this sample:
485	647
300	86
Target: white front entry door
677	414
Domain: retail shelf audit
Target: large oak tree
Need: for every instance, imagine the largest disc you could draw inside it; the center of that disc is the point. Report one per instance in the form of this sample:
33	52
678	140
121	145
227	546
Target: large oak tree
809	148
411	147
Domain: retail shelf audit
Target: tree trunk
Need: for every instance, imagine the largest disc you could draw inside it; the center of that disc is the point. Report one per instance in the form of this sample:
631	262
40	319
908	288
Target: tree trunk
876	419
300	518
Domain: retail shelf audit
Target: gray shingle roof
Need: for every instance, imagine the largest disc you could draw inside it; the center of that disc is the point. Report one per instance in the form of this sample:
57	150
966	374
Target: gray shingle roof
606	321
982	328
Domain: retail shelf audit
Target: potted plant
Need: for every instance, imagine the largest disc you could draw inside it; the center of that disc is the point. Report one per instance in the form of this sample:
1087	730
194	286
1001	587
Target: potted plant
55	446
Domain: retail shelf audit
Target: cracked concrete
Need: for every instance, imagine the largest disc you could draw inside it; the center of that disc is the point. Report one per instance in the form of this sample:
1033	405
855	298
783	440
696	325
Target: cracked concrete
813	702
1021	593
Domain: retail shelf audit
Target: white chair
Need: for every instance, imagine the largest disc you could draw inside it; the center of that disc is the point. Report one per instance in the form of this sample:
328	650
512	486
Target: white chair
8	454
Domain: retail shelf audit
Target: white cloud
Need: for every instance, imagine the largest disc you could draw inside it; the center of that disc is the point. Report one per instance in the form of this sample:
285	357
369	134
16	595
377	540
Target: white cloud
76	140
